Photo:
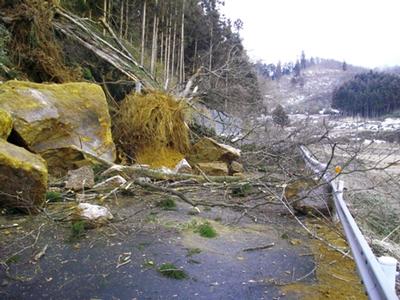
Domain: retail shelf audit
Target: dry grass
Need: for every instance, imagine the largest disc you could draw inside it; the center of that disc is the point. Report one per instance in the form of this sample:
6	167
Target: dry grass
33	45
152	124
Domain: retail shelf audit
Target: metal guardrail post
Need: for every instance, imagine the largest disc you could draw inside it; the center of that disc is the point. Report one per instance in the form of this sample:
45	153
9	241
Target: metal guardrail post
373	277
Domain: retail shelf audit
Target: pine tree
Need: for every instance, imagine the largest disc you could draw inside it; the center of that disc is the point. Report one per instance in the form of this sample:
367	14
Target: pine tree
278	71
303	61
297	69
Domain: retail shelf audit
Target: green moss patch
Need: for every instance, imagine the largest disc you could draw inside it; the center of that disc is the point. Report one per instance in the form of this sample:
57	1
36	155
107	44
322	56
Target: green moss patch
193	251
167	204
77	231
206	230
241	190
172	271
53	196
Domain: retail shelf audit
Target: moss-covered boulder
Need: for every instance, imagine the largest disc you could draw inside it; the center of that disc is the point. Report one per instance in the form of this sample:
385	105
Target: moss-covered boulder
23	178
208	150
57	120
6	123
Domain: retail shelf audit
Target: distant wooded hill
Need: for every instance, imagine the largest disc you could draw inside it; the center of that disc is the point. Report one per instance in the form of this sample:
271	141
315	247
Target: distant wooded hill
369	94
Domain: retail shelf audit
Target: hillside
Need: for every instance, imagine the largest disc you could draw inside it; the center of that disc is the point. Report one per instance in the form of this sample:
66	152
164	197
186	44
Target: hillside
312	91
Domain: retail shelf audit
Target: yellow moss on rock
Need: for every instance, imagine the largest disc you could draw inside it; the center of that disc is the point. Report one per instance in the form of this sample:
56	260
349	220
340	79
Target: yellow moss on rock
23	178
6	124
58	116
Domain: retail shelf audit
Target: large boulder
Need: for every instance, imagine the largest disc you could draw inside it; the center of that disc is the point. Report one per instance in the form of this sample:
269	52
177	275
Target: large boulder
23	178
6	124
58	121
310	197
208	150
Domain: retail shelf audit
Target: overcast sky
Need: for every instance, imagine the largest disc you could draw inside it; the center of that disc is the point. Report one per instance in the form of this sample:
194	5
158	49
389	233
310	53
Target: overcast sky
362	32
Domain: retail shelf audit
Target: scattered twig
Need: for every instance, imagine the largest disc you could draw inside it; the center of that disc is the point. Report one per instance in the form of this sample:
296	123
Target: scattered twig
307	229
267	246
390	234
30	246
164	189
202	173
40	254
8	226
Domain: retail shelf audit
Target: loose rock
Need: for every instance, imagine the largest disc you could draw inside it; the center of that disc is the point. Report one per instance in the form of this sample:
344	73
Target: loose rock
93	215
79	179
208	150
236	167
23	178
214	168
183	167
307	197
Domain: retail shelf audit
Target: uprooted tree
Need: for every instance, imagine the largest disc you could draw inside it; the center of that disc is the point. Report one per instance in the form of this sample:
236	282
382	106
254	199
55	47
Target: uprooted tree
55	41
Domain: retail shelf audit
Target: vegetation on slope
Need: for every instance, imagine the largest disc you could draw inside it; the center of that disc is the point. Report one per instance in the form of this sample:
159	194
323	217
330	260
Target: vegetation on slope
369	95
175	41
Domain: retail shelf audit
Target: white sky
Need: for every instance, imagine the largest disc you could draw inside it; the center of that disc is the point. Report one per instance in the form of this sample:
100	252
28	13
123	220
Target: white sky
362	32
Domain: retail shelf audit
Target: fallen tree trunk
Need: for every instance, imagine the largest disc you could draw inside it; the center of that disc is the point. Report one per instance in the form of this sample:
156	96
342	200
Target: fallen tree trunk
132	171
138	171
74	27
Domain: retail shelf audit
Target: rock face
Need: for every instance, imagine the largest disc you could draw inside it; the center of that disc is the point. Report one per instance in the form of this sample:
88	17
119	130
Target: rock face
6	123
59	120
23	178
208	150
307	197
217	168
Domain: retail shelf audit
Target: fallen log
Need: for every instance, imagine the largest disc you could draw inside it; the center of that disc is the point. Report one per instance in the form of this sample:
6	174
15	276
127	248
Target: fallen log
74	27
140	171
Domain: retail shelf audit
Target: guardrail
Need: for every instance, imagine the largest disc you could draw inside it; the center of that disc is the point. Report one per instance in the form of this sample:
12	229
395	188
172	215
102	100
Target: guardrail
378	277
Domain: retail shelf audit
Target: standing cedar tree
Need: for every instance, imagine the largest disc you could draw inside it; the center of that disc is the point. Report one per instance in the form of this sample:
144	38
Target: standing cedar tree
344	66
280	117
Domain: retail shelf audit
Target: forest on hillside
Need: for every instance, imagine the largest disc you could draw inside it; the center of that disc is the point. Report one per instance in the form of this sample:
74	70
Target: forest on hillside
175	41
368	95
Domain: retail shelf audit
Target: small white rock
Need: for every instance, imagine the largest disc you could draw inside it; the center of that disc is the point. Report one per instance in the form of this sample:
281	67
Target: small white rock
92	212
183	167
